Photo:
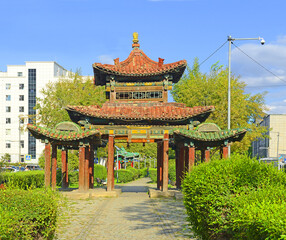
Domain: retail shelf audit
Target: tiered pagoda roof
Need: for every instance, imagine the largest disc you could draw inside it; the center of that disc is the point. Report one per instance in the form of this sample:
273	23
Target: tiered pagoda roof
136	112
137	67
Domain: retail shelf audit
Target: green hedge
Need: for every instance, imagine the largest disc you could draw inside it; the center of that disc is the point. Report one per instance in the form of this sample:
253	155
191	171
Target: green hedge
237	198
142	172
135	172
100	171
124	175
153	174
28	214
24	180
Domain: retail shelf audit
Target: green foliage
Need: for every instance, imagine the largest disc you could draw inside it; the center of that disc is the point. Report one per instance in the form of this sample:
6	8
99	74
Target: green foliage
153	174
124	176
28	214
172	170
218	195
100	171
24	180
5	159
74	90
199	89
142	172
136	173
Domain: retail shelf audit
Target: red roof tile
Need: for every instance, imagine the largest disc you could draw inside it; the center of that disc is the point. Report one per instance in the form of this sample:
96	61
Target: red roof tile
139	64
141	111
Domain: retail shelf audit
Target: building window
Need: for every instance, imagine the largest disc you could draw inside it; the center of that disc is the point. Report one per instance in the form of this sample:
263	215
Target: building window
21	109
139	95
32	77
8	97
21	86
8	145
20	74
8	120
8	109
8	131
22	158
22	143
22	120
21	97
8	86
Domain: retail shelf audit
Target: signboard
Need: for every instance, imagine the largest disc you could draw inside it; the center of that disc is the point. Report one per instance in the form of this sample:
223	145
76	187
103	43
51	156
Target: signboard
282	157
28	158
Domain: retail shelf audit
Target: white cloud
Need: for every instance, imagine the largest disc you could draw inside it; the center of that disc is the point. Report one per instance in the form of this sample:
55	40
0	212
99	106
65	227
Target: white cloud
105	59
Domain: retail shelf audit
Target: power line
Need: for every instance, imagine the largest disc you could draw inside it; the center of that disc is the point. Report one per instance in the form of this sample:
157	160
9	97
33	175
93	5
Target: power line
212	54
259	64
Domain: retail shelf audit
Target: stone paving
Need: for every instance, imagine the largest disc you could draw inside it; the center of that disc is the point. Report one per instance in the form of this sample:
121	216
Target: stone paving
133	215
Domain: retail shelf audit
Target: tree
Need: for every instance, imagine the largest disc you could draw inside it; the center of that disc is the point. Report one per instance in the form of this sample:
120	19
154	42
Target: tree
200	89
5	159
72	90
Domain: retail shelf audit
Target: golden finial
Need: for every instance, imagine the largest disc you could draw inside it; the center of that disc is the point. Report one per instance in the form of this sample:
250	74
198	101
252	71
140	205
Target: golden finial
135	37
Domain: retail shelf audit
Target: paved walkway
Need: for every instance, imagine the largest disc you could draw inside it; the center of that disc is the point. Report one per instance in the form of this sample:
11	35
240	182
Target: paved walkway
133	215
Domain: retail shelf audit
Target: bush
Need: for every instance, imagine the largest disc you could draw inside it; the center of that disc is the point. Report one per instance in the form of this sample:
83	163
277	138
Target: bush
217	195
100	171
28	214
124	175
73	177
172	170
24	180
135	172
153	174
142	172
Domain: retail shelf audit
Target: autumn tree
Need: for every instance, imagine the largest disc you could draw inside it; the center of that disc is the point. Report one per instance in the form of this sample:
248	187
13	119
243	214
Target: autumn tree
201	89
71	90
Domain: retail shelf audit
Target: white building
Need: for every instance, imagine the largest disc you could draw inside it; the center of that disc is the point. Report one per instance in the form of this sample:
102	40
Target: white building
275	144
19	88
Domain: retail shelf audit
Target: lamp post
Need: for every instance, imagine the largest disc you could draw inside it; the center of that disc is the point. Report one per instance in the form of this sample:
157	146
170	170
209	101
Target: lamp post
230	41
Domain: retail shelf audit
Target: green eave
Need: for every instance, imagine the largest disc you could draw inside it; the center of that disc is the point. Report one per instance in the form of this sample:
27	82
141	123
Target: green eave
231	135
57	135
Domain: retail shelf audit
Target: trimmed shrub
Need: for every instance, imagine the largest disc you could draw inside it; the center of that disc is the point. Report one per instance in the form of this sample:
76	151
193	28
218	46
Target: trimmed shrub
124	175
153	174
73	177
143	172
24	180
28	214
217	196
134	171
100	171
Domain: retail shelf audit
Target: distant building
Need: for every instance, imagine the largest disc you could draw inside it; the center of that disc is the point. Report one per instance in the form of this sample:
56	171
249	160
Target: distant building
275	145
20	86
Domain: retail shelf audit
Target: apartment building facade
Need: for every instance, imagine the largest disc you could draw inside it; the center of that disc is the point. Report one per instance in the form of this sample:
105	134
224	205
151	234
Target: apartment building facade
19	88
275	144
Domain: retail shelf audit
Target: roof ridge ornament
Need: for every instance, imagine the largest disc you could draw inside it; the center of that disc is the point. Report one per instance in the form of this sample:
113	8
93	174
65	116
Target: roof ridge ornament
135	40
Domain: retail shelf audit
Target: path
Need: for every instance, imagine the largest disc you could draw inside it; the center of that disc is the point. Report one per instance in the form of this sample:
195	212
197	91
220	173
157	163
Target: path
133	215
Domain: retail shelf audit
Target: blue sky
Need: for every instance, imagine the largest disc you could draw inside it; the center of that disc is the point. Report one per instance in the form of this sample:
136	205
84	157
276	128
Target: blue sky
77	33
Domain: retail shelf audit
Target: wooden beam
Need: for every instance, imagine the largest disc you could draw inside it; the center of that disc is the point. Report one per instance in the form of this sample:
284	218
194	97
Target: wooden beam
47	164
181	160
65	181
54	166
159	164
91	166
207	155
165	162
86	168
225	152
110	163
191	157
81	168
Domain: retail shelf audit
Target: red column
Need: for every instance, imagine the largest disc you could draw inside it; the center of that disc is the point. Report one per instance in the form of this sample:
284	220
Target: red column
119	165
54	166
132	164
110	163
181	160
91	166
203	156
65	181
225	152
207	155
81	168
86	168
47	164
190	158
165	162
159	165
186	161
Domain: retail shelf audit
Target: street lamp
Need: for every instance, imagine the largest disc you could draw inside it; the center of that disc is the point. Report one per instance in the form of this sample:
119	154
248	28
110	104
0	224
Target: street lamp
230	41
